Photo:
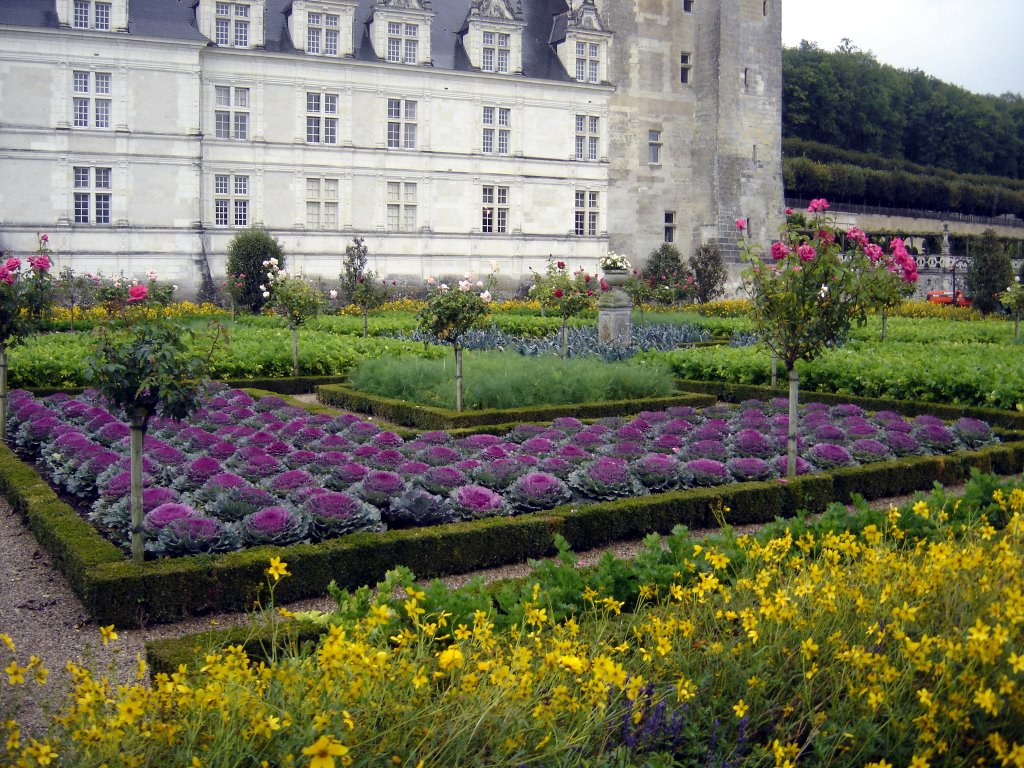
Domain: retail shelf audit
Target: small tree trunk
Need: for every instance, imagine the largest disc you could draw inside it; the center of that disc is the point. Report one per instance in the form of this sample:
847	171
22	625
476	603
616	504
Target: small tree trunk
366	327
72	317
458	378
3	392
885	325
775	371
794	400
295	352
135	470
565	338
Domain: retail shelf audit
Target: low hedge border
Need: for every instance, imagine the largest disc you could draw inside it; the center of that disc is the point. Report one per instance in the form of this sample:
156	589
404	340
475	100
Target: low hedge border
292	385
737	393
427	418
116	591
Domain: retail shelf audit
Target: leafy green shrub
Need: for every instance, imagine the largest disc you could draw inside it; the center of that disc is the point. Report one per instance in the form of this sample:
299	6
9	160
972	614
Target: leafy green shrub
709	273
496	380
246	253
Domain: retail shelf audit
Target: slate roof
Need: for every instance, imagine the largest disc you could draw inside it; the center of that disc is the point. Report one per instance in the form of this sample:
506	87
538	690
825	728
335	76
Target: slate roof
175	19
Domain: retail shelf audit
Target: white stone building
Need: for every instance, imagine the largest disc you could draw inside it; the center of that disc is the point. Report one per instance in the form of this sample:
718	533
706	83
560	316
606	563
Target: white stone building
143	134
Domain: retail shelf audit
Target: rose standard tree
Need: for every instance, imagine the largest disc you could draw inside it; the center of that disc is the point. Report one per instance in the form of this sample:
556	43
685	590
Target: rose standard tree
294	299
805	296
450	314
363	288
145	365
567	294
26	296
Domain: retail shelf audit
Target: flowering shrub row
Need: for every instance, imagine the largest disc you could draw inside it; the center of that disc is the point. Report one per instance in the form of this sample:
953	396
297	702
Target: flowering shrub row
247	472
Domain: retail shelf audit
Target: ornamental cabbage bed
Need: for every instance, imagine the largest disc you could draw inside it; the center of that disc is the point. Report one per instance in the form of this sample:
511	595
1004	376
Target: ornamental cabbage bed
247	472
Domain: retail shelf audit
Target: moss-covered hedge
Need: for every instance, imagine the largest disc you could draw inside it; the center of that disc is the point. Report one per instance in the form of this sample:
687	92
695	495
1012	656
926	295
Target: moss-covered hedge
427	418
115	590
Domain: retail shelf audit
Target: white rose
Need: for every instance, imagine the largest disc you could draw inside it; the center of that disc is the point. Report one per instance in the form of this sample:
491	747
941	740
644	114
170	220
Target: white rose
465	285
468	276
486	296
333	294
266	294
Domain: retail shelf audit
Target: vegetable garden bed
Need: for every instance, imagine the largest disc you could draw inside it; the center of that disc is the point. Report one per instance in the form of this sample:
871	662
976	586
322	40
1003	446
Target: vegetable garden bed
114	590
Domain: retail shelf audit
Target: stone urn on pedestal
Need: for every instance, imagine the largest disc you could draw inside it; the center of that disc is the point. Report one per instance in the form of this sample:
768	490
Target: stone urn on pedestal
614	307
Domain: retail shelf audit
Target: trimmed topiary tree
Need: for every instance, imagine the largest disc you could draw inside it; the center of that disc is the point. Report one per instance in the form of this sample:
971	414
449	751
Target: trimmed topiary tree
989	273
247	252
709	273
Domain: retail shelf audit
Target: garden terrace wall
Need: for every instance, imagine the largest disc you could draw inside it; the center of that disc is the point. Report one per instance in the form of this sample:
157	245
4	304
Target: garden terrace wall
428	418
115	590
737	393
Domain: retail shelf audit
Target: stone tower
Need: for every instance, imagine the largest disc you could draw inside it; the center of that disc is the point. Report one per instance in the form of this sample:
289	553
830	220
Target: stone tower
695	123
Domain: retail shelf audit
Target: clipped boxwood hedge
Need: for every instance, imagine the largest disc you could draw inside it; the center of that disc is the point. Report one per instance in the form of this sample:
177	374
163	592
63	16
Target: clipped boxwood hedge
115	590
291	385
428	417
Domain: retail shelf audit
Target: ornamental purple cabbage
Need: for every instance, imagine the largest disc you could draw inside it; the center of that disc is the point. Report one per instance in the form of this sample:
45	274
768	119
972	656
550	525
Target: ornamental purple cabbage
830	456
936	437
869	450
901	443
535	491
442	480
750	468
194	536
604	479
378	487
708	449
708	472
164	514
333	514
472	502
974	432
277	526
659	472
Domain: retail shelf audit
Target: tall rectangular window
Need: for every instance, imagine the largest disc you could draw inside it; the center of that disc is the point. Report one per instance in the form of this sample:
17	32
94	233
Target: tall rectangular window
402	124
684	68
402	206
497	47
332	23
654	147
321	118
586	213
231	200
321	203
91	194
497	130
403	43
231	24
494	212
80	19
101	14
90	102
231	114
587	137
588	62
314	32
670	226
687	6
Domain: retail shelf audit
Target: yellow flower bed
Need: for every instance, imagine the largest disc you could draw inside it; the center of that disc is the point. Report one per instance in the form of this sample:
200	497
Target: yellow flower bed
178	309
838	649
722	308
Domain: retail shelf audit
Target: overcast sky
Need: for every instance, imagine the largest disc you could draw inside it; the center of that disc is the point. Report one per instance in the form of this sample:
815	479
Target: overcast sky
976	45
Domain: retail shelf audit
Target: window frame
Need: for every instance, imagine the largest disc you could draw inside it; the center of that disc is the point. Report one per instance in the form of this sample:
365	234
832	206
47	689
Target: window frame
655	144
92	192
401	123
232	195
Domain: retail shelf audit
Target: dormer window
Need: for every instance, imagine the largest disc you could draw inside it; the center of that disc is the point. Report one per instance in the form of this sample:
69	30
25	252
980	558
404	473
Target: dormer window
97	15
322	27
400	30
403	43
497	50
588	62
582	43
493	36
231	23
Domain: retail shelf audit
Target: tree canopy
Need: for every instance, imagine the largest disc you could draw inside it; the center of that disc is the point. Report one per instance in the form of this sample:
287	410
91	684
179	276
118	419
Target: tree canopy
848	99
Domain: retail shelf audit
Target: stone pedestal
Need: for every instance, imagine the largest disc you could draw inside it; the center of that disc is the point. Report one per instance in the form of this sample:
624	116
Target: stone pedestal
614	310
